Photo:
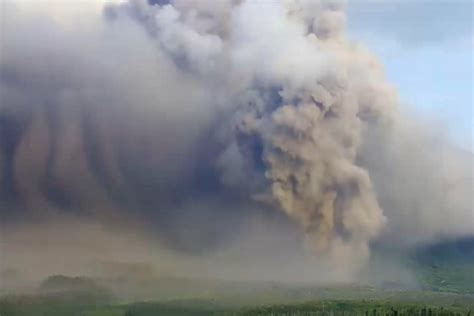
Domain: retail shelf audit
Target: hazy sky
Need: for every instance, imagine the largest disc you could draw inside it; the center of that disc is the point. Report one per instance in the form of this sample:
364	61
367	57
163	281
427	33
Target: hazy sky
426	47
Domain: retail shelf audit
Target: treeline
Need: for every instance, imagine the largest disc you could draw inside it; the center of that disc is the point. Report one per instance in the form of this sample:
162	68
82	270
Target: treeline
376	312
347	310
158	309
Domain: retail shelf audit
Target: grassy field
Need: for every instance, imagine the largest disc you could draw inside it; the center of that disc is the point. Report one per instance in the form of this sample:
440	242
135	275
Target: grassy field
180	297
46	307
244	299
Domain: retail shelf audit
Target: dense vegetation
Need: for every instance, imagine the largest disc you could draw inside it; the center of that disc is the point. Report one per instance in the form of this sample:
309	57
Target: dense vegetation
80	306
446	266
337	308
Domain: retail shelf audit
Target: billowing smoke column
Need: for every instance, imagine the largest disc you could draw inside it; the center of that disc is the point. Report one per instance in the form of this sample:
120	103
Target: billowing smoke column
172	111
300	113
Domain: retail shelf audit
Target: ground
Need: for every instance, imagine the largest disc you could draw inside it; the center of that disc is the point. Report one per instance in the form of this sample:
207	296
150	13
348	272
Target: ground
444	286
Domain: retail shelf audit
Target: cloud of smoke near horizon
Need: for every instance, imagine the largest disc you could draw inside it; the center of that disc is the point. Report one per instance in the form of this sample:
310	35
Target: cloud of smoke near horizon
191	117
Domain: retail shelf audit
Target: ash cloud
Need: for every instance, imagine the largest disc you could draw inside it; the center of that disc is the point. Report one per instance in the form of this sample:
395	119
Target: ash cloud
195	118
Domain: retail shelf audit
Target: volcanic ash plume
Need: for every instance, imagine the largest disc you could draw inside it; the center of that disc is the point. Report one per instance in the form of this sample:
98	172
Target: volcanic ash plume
306	123
170	111
304	95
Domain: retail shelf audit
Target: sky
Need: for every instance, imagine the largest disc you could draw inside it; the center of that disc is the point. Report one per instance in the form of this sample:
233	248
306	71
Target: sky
426	47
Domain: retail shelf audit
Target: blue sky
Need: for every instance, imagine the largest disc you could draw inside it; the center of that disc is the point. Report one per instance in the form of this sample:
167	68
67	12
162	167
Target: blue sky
426	47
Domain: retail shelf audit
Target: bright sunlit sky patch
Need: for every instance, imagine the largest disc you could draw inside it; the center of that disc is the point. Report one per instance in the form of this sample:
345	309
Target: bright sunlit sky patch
426	47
